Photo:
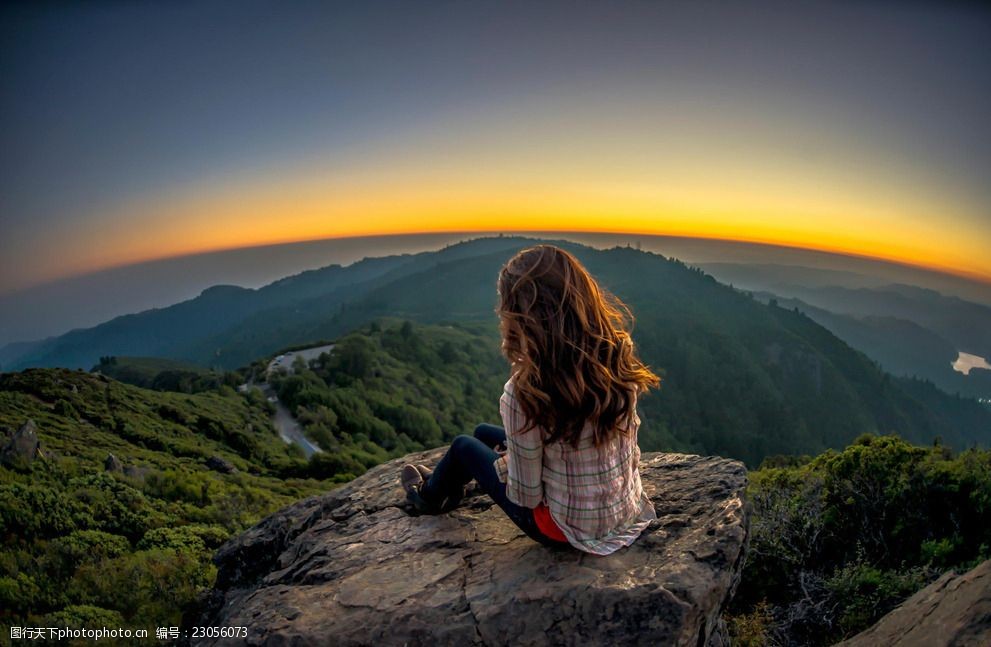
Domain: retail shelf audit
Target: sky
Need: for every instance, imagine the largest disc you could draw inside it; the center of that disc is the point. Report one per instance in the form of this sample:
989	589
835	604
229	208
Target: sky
134	131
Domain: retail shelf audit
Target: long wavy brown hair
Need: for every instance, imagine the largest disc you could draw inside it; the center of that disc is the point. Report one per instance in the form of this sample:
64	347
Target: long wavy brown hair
568	342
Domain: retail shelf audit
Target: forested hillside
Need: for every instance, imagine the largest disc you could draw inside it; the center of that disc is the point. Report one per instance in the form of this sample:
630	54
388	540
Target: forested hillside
114	519
228	326
838	539
393	388
741	378
162	374
900	346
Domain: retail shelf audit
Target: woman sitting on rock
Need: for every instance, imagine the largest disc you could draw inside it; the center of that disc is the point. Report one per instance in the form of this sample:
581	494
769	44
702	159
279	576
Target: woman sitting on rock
564	466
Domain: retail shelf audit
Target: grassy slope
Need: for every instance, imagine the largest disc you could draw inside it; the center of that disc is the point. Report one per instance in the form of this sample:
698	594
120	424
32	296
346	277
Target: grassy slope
83	545
159	373
392	388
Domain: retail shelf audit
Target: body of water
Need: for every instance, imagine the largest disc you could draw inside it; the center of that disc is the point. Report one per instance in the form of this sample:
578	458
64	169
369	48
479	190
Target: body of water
966	361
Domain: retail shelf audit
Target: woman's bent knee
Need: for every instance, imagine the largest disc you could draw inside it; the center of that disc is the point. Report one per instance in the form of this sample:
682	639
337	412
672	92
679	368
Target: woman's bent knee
461	441
490	435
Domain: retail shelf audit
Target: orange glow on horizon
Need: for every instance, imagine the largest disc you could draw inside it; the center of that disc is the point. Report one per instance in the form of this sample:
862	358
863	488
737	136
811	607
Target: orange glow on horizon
645	165
483	186
483	231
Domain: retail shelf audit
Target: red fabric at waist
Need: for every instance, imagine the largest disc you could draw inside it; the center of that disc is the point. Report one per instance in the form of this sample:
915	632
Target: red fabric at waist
545	523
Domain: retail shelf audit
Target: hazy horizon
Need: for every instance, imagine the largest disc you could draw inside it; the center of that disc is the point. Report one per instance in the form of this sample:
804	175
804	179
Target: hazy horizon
90	299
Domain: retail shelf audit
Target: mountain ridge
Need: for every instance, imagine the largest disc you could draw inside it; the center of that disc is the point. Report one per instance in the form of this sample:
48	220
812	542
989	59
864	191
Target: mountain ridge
743	379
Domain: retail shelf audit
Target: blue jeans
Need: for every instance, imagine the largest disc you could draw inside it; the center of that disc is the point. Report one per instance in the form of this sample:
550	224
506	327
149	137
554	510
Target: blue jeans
472	457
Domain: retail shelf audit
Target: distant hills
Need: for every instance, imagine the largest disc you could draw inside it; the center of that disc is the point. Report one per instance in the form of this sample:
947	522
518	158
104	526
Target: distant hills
902	347
909	330
741	378
964	324
228	326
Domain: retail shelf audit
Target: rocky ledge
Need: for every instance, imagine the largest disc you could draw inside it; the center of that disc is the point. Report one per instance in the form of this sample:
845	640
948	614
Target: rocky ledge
353	567
955	610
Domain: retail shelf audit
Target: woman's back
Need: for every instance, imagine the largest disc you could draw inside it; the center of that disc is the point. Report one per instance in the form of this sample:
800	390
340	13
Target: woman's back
593	493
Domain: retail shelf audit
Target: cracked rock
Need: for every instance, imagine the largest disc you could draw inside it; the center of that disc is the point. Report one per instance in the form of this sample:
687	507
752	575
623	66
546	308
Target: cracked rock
353	567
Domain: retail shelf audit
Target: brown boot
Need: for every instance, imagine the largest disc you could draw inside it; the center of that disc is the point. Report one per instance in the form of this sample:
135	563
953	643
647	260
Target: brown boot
410	477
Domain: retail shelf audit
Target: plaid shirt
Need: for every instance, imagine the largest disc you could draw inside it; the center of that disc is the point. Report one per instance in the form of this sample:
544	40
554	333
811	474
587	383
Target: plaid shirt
594	494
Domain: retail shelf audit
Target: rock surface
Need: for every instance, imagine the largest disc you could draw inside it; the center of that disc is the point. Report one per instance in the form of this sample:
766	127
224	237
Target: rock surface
352	567
22	447
112	464
222	465
953	610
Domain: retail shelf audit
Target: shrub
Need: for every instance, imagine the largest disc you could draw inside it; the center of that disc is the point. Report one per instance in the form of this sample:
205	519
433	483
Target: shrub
191	539
839	540
79	616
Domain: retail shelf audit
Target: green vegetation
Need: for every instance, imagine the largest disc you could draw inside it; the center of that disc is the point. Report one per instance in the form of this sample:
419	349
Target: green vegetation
741	378
904	347
161	374
131	545
84	540
841	539
394	388
838	539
